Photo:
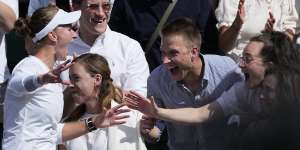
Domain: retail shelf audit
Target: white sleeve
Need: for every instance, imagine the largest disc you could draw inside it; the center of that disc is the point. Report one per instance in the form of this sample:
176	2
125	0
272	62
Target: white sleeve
137	70
13	4
226	12
290	15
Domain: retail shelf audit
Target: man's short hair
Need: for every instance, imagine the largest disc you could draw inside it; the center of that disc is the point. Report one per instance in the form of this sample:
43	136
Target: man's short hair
184	27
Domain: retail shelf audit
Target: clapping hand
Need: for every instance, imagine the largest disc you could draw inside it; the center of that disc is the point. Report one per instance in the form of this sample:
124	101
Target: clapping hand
240	15
135	101
270	23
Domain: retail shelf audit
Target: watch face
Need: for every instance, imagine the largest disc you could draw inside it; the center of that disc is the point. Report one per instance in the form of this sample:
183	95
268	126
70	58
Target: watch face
90	125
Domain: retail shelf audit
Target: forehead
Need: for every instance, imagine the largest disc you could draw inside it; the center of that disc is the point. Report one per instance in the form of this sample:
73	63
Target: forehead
172	41
77	68
253	48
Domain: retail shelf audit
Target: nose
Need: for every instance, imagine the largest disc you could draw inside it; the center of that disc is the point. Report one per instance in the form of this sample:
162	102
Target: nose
166	59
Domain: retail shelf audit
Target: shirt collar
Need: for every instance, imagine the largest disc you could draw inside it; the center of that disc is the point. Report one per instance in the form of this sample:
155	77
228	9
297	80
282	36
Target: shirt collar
205	78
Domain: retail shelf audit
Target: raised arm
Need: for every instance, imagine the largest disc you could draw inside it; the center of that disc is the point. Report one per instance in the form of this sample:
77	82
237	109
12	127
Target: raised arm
7	17
229	34
181	115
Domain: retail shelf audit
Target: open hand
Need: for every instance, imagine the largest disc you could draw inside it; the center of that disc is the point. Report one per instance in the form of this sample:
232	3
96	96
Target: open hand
53	76
135	101
113	116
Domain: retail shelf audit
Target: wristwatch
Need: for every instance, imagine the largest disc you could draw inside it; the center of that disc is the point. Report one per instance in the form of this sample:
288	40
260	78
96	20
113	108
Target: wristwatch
90	124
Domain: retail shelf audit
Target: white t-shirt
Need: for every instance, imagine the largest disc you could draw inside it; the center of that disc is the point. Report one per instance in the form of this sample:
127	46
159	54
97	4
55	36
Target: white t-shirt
31	119
257	13
126	59
4	73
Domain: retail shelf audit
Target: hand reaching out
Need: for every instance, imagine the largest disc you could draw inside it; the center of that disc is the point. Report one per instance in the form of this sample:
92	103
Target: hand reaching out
53	76
135	101
113	116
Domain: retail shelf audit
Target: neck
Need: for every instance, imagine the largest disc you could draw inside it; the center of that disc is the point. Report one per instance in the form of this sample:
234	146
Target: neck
47	55
87	38
93	106
194	76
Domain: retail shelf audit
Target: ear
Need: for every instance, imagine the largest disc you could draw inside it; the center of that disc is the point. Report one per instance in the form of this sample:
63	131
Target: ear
98	79
194	53
52	36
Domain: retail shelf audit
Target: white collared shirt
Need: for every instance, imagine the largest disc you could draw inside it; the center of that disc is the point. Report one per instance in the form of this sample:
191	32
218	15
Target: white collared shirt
127	62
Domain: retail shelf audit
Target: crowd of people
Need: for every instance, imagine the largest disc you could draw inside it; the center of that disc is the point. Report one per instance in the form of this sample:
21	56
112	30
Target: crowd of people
125	74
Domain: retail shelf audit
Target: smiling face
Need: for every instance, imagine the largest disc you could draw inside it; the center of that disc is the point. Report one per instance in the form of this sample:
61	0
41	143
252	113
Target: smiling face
95	16
176	56
85	86
252	64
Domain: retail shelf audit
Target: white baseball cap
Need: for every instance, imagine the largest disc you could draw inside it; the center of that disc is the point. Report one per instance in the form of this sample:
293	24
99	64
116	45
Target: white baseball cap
60	18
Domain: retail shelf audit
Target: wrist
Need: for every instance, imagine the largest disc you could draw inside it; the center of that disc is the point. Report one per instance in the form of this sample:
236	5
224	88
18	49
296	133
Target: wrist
90	125
40	79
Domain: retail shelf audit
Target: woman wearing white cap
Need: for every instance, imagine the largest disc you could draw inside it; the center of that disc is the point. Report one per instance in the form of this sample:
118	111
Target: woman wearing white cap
32	107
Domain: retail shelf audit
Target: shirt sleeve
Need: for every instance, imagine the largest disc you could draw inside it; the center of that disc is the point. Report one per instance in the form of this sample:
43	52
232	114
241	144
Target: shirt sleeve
226	12
290	15
230	100
137	70
59	130
22	83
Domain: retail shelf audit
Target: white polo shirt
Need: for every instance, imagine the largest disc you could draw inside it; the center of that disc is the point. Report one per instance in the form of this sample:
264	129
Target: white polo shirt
127	62
31	119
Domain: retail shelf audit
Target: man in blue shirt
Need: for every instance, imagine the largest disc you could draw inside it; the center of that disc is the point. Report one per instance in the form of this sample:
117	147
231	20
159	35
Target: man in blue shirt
139	18
189	79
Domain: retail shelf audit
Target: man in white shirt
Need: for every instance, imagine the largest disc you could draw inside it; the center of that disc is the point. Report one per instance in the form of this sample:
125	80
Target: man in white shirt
8	15
125	55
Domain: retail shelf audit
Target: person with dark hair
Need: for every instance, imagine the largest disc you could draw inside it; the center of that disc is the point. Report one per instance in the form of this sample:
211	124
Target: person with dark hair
279	126
188	79
271	49
139	19
33	103
94	90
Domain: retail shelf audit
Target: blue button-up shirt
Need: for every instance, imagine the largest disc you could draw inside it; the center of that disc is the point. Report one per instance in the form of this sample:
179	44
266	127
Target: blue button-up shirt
220	73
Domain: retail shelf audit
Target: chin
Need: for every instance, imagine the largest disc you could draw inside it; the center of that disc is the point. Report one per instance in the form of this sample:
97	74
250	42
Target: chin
252	83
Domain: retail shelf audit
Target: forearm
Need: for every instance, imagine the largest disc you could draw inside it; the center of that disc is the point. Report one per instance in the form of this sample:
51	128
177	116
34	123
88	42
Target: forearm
7	18
191	115
73	130
228	37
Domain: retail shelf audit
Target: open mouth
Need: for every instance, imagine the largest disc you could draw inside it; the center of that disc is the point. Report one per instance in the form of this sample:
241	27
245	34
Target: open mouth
98	20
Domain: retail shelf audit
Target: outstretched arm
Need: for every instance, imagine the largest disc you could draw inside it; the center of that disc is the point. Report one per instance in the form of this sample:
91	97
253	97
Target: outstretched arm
114	116
183	115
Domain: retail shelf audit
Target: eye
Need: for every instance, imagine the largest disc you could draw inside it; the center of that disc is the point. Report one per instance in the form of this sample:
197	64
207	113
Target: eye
93	6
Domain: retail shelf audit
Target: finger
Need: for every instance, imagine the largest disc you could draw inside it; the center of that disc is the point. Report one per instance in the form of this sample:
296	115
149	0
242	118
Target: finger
120	117
120	111
117	122
131	101
117	107
136	94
